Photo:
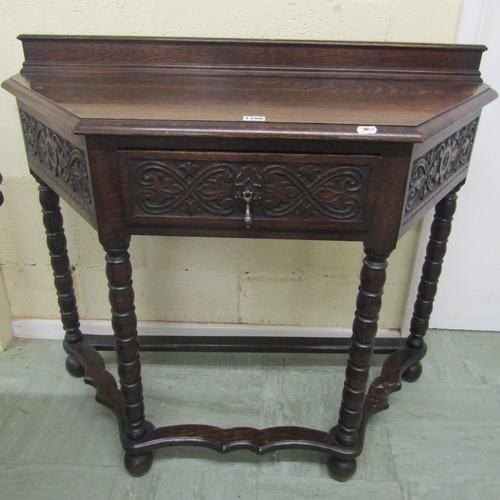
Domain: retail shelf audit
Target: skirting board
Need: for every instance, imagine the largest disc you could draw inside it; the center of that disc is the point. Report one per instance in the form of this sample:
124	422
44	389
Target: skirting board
52	329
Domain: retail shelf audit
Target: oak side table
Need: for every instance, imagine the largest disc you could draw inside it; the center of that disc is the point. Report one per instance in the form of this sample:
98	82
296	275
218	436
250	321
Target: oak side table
248	139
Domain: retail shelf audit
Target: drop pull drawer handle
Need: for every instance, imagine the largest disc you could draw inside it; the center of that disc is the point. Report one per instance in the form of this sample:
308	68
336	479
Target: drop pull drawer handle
248	191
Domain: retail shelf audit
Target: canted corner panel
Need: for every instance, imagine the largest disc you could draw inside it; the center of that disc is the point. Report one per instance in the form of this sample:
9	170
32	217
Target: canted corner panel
172	188
437	168
60	160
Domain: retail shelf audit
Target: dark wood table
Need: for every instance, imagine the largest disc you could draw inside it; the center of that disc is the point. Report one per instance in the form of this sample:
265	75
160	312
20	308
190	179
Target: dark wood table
248	139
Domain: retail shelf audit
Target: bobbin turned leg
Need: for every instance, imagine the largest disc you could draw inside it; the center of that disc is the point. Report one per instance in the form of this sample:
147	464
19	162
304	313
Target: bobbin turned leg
431	270
124	322
56	243
364	329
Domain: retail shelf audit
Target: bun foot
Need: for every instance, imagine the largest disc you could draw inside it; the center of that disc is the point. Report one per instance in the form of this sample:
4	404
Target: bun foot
74	367
138	465
341	470
412	373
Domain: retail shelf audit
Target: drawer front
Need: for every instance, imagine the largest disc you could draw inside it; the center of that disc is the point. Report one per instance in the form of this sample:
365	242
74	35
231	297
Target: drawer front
253	190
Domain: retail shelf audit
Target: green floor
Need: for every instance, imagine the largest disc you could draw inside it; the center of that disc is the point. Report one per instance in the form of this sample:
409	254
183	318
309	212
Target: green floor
440	438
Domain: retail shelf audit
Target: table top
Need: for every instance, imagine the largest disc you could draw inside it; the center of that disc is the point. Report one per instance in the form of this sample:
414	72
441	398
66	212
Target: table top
146	86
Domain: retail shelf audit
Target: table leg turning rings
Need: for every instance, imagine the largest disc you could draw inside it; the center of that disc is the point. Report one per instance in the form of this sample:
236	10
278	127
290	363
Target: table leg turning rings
343	443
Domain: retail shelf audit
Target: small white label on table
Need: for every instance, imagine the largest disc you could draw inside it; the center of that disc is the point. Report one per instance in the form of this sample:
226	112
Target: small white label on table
367	129
252	118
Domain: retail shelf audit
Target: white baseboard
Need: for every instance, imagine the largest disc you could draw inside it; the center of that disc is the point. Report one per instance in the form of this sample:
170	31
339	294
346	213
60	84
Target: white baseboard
52	329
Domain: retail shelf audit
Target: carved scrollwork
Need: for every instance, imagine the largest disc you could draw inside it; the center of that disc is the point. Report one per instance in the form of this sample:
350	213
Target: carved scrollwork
438	167
59	158
206	189
184	187
333	193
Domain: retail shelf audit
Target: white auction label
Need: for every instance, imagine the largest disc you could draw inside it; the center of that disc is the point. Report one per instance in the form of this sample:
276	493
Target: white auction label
251	118
367	129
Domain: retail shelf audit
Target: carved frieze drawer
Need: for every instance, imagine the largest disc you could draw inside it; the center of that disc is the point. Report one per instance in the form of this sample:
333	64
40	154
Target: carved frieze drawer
238	190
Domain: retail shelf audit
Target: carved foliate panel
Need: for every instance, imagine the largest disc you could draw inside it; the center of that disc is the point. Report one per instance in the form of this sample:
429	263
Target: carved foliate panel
170	187
61	160
432	172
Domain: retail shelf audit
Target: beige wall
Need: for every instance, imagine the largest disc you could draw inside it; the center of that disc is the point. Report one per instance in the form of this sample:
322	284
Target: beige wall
200	280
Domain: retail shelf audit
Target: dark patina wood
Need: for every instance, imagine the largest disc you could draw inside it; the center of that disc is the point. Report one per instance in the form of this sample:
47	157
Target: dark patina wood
245	343
124	322
63	281
431	270
355	141
364	329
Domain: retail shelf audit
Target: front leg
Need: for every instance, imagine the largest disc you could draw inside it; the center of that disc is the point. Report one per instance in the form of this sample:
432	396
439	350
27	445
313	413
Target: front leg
63	281
124	322
364	329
